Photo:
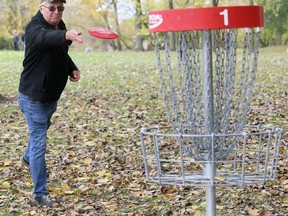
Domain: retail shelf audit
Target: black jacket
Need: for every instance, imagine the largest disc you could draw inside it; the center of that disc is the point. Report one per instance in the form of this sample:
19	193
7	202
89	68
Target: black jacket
47	64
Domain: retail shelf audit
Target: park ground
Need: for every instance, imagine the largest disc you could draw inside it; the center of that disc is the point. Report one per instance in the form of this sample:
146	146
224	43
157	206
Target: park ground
94	150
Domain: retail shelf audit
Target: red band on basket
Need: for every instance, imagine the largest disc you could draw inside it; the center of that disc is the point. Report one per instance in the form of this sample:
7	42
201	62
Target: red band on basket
206	18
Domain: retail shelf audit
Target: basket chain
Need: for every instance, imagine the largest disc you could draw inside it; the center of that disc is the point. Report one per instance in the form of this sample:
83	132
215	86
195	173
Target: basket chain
183	88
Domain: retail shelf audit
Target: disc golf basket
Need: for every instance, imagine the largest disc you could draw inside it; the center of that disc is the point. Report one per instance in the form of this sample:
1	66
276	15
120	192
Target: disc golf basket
207	86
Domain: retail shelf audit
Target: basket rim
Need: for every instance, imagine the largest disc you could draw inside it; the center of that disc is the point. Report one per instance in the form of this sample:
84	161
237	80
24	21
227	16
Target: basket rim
206	18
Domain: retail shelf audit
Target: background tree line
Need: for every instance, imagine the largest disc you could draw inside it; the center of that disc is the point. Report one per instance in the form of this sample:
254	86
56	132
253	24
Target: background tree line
129	18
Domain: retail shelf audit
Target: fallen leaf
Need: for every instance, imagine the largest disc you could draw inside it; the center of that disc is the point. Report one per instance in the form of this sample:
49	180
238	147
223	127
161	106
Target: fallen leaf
253	212
87	160
68	192
101	172
6	185
65	186
102	181
7	163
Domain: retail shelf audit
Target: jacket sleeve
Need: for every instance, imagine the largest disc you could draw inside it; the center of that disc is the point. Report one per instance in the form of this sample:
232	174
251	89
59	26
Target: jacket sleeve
72	66
47	38
43	36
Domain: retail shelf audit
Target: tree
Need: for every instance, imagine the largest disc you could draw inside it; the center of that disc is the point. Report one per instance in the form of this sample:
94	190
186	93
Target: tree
116	20
215	2
15	15
20	13
171	34
276	20
138	25
102	13
133	30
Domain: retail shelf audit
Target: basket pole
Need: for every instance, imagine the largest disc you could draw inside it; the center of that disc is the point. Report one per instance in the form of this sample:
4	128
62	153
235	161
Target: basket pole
208	118
209	126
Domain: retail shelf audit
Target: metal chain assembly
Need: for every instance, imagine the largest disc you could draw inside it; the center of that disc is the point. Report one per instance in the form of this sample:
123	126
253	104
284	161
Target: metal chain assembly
206	90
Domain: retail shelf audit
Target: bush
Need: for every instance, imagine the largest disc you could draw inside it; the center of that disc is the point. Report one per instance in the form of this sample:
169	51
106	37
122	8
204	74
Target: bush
285	39
5	43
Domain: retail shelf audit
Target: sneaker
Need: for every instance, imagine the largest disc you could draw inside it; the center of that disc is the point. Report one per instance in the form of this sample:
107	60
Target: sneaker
45	200
25	163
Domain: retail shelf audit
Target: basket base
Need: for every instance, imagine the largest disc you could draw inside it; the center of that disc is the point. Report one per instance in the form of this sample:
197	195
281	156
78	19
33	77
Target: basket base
253	159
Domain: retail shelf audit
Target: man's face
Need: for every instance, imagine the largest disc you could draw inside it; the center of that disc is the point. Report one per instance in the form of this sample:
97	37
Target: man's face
52	12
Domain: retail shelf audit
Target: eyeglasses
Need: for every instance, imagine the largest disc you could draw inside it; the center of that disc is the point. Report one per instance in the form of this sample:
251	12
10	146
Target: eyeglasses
53	8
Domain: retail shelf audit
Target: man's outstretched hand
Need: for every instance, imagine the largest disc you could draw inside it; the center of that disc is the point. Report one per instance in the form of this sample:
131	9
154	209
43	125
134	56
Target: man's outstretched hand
73	35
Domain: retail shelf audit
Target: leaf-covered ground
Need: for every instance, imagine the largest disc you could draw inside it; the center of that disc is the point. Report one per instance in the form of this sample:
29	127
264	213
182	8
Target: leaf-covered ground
94	151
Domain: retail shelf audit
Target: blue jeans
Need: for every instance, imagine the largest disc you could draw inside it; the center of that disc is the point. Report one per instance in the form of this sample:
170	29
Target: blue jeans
38	115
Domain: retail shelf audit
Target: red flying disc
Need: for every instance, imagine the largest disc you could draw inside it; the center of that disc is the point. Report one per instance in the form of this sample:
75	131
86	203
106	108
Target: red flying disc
103	33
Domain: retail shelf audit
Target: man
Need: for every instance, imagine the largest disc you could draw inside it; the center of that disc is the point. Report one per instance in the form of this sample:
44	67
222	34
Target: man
15	38
46	68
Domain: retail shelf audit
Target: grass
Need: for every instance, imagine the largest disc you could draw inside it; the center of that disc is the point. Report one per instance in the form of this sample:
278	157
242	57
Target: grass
94	152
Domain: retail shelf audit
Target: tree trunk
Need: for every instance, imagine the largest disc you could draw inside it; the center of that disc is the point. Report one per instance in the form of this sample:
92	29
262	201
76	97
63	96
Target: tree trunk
118	41
139	46
278	37
172	46
215	3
